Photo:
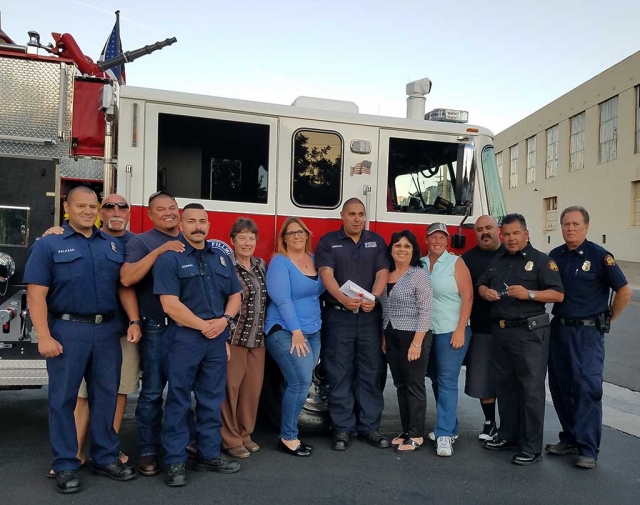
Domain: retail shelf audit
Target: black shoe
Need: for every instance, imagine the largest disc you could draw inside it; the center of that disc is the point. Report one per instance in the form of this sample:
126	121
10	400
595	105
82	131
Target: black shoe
298	451
148	466
489	431
192	451
525	458
585	462
375	439
176	475
219	464
67	481
340	441
561	448
499	445
307	447
116	471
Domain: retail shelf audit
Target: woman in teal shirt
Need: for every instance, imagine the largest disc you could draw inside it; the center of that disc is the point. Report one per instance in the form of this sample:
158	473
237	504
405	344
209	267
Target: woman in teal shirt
452	300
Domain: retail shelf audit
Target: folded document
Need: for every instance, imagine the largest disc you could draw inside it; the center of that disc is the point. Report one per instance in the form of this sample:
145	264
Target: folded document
352	290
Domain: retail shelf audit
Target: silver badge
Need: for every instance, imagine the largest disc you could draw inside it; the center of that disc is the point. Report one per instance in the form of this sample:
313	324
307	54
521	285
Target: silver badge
113	247
223	261
529	266
586	266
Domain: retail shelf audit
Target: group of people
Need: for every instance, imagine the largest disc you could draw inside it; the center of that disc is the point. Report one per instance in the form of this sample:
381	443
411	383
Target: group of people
203	318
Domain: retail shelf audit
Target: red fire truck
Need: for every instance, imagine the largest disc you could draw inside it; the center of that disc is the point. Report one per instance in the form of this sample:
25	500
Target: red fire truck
63	125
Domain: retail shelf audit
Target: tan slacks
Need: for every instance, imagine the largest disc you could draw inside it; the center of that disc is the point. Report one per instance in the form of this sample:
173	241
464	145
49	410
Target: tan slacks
245	373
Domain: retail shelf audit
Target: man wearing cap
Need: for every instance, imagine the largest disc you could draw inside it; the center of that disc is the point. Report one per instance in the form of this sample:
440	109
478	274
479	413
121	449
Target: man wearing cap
352	355
576	356
518	283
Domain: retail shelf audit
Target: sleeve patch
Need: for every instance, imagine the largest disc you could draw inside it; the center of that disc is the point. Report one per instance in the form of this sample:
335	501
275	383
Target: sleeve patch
552	266
609	261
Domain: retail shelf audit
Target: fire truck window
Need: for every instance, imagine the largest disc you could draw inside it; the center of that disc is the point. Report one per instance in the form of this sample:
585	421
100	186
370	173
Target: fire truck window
428	177
14	226
317	169
213	159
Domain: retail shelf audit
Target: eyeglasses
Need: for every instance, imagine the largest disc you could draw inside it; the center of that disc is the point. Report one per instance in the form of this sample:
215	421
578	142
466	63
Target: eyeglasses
152	196
113	205
299	233
203	267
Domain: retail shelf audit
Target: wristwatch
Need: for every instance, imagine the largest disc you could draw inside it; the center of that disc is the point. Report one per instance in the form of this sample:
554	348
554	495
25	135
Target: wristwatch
136	321
229	319
532	295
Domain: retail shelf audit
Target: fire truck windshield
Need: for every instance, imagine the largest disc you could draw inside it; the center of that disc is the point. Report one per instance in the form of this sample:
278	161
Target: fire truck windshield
495	202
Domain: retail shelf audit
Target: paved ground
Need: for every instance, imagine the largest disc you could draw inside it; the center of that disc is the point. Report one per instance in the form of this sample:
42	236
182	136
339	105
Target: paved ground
362	475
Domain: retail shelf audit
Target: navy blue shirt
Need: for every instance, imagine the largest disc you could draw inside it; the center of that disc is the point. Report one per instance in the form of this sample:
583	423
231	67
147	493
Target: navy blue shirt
82	273
357	262
137	248
588	273
202	284
477	261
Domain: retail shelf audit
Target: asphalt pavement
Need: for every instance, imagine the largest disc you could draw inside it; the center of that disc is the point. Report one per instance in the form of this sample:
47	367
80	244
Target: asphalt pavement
362	475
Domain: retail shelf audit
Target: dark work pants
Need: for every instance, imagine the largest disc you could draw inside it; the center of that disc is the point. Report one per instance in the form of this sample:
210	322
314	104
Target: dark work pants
199	364
576	366
352	357
520	359
408	377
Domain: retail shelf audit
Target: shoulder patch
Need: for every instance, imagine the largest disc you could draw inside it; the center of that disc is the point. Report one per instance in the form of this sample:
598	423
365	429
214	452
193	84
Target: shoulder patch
609	261
552	265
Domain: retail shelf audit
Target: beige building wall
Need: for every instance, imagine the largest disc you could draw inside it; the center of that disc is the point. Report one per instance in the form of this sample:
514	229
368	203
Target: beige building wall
606	189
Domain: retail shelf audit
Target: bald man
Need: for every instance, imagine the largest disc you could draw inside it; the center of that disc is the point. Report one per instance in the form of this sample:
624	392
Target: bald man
480	378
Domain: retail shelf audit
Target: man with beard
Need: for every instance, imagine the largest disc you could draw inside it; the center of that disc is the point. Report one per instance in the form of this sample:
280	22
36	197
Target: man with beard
480	382
200	292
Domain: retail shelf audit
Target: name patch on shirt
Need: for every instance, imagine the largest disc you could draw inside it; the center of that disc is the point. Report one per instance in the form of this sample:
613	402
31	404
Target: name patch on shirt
187	266
62	251
370	244
335	245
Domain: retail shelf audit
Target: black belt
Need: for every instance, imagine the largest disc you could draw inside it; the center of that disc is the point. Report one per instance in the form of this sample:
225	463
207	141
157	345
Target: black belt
514	323
340	307
82	318
577	322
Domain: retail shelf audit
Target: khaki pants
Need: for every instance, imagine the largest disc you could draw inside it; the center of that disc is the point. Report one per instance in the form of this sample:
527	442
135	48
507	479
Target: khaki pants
245	373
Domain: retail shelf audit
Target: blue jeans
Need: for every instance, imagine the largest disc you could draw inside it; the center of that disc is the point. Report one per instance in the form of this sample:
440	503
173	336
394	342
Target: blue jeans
297	372
444	367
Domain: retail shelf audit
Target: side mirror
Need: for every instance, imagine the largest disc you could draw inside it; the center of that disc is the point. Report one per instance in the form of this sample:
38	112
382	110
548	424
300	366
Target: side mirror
458	241
7	267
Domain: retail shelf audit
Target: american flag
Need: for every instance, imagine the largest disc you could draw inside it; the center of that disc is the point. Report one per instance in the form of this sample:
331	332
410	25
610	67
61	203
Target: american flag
111	49
361	168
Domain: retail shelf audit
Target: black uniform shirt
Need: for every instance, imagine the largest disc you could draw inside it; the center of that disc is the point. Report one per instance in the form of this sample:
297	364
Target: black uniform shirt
529	268
357	262
477	261
588	273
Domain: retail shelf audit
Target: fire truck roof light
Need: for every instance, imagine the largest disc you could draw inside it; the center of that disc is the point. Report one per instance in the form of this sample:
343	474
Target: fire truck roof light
448	115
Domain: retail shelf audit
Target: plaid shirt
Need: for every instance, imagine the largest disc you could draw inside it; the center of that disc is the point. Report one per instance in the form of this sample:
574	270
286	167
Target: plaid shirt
248	330
410	303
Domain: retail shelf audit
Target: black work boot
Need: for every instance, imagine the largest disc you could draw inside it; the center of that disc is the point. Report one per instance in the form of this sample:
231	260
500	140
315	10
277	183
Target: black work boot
176	475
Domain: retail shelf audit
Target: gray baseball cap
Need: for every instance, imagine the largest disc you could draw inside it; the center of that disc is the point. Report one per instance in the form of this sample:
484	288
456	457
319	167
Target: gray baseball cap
434	227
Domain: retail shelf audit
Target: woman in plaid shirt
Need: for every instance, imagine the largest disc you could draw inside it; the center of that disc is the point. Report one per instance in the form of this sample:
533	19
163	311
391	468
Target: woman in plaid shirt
406	312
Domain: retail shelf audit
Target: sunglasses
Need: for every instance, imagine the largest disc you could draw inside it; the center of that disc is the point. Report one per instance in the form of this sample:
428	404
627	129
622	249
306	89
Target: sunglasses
160	193
113	205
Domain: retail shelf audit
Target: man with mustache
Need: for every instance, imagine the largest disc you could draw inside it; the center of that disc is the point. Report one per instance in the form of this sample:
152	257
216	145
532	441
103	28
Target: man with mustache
200	292
480	382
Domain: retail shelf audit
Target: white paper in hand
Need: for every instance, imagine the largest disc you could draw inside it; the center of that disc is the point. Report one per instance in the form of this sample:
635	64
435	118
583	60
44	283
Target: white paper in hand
352	290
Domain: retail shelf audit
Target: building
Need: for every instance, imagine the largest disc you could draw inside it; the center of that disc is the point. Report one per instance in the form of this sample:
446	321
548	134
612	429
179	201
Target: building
581	149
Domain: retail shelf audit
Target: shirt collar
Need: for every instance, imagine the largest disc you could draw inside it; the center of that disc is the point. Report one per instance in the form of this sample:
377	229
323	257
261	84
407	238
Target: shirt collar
69	231
525	252
363	236
581	250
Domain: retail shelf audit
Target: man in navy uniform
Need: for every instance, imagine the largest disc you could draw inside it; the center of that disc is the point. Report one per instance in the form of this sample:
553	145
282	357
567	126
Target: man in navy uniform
200	292
73	292
519	282
576	357
352	354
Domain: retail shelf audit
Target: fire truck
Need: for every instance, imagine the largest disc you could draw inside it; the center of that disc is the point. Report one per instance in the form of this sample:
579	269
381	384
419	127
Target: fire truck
63	123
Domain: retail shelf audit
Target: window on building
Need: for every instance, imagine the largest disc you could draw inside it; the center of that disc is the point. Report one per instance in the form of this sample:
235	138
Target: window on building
500	165
212	159
552	153
550	208
531	160
513	169
608	147
635	196
576	145
317	169
428	177
638	119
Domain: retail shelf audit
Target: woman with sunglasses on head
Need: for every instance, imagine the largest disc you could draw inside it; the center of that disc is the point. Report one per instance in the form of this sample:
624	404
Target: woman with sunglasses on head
293	325
406	320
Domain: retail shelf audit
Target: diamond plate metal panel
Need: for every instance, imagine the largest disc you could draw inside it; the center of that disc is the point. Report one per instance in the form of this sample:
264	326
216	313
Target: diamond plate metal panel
23	372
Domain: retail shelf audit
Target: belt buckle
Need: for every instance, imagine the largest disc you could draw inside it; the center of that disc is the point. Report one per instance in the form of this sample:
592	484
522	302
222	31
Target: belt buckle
502	323
355	311
98	319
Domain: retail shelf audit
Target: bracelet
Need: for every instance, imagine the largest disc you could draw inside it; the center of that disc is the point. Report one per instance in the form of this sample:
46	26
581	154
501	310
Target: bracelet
416	345
135	321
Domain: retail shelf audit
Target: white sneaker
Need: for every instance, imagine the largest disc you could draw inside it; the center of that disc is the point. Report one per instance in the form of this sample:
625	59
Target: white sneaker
445	446
432	436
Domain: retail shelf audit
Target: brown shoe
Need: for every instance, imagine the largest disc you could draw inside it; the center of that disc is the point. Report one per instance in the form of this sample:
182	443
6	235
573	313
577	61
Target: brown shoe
149	466
251	446
192	451
238	452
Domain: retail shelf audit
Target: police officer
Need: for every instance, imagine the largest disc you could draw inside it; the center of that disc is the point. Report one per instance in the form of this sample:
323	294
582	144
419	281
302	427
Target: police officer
73	298
353	327
576	357
519	282
200	292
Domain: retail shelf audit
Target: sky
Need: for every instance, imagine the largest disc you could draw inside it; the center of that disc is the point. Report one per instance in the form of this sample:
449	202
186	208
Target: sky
501	60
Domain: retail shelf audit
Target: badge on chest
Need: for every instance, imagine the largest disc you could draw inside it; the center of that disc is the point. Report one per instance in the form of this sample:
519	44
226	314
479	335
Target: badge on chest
529	266
586	266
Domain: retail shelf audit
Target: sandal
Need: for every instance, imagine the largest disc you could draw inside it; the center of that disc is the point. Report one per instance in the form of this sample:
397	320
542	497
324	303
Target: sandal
415	446
399	440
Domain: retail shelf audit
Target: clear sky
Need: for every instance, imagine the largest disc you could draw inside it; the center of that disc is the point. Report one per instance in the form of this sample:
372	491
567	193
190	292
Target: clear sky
500	60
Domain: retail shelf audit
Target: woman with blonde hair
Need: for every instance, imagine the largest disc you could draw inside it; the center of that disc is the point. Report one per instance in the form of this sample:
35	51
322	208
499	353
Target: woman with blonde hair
293	325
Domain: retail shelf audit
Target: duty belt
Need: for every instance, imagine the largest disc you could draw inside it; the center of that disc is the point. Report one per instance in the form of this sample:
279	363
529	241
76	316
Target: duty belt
577	322
85	318
340	307
514	323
